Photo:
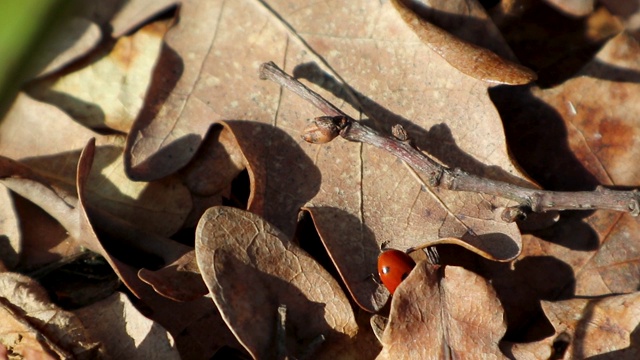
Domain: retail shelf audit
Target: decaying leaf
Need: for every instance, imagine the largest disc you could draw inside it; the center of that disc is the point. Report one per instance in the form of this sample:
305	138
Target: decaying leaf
539	34
596	326
599	108
588	328
21	138
443	312
125	332
592	126
178	257
179	279
109	92
252	270
57	202
582	131
197	326
119	18
31	326
68	208
70	212
543	349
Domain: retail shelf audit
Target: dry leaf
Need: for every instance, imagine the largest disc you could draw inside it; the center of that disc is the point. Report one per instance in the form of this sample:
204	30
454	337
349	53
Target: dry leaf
135	12
11	238
574	137
200	204
543	349
30	325
540	36
602	132
158	148
252	270
44	240
124	332
573	7
588	328
121	17
467	20
109	92
628	11
67	208
160	207
470	59
593	121
197	327
180	280
443	312
375	198
218	161
177	317
176	254
73	39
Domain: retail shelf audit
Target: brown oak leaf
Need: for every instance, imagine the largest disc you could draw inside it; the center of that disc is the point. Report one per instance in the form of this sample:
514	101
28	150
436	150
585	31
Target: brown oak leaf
252	270
358	197
443	312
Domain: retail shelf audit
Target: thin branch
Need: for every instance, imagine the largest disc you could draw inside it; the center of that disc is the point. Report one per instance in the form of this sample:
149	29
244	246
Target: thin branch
326	128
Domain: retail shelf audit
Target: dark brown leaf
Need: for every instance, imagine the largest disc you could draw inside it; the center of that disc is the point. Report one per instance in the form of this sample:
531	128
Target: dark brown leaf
252	270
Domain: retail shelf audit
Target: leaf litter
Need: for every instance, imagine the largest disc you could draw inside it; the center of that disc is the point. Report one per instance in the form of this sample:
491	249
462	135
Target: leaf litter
377	69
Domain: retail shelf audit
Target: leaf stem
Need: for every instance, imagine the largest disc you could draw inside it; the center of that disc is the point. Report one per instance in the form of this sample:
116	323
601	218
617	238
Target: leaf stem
437	175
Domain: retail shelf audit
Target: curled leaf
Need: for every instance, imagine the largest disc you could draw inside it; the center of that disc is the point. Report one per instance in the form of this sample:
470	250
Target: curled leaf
471	59
180	280
11	238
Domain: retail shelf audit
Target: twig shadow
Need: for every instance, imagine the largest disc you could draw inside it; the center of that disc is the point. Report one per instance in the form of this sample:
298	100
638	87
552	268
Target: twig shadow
438	141
538	141
543	144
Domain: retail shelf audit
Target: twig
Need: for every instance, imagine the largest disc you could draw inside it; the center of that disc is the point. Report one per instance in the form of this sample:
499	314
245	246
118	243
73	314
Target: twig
326	128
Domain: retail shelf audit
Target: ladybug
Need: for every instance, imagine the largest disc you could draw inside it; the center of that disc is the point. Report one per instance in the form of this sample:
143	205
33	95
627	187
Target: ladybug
393	267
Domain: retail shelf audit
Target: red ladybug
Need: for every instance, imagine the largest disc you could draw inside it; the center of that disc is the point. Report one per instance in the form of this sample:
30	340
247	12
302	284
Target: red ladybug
393	267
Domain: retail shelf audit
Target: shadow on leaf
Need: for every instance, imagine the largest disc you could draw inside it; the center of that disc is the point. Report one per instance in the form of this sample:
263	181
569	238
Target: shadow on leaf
437	141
